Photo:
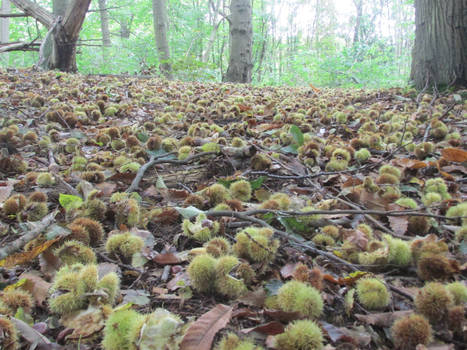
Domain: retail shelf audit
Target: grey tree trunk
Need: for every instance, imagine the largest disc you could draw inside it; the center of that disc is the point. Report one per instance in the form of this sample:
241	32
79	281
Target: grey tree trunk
160	30
358	20
104	23
5	27
241	37
59	7
58	49
440	52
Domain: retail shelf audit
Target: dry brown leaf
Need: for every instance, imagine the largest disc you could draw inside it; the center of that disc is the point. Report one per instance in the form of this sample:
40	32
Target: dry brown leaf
254	298
35	285
5	191
454	155
399	224
166	259
84	323
382	319
283	316
201	333
288	269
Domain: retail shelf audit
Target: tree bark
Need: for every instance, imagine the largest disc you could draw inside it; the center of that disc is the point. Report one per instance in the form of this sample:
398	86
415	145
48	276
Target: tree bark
160	30
5	27
58	50
440	52
59	7
358	20
104	23
241	37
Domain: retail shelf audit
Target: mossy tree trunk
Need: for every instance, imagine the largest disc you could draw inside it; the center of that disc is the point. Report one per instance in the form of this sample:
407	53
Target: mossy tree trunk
58	49
241	38
440	52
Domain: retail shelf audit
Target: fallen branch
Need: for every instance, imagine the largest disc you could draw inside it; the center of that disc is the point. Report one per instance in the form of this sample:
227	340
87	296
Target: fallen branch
27	237
160	160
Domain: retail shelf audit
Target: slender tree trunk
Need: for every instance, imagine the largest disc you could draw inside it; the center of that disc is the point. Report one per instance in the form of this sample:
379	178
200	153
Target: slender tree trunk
440	52
104	23
125	28
160	29
241	37
5	27
358	20
58	49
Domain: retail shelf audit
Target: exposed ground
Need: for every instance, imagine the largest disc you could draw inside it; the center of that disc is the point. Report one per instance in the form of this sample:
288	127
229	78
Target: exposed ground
348	185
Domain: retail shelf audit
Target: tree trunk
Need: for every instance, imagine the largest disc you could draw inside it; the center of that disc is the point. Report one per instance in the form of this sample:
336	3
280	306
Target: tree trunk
440	51
241	37
5	27
58	49
59	7
160	30
104	23
358	20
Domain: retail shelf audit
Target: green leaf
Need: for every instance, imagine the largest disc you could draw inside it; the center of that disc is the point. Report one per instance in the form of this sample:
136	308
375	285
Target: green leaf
255	184
69	201
297	135
225	183
272	286
290	149
137	297
292	225
160	182
142	136
188	212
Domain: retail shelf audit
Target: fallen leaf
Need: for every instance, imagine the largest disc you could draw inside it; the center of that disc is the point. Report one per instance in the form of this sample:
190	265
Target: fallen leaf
84	323
26	257
454	155
201	333
5	191
167	259
399	224
283	316
254	298
288	269
382	319
35	285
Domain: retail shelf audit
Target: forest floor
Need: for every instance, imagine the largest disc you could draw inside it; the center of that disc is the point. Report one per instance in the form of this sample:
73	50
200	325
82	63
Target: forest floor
121	195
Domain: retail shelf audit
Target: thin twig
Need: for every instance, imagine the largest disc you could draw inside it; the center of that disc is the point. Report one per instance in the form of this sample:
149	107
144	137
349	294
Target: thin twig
27	237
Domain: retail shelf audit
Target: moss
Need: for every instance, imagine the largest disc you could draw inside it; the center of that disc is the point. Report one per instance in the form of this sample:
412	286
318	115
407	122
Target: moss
372	293
409	331
296	296
300	335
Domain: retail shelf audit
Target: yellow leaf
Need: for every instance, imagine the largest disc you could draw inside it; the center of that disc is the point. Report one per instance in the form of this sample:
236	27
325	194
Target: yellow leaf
25	257
16	285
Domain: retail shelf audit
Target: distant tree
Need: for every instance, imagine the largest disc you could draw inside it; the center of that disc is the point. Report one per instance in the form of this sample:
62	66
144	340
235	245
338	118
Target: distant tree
58	49
5	25
440	52
241	38
160	30
104	14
